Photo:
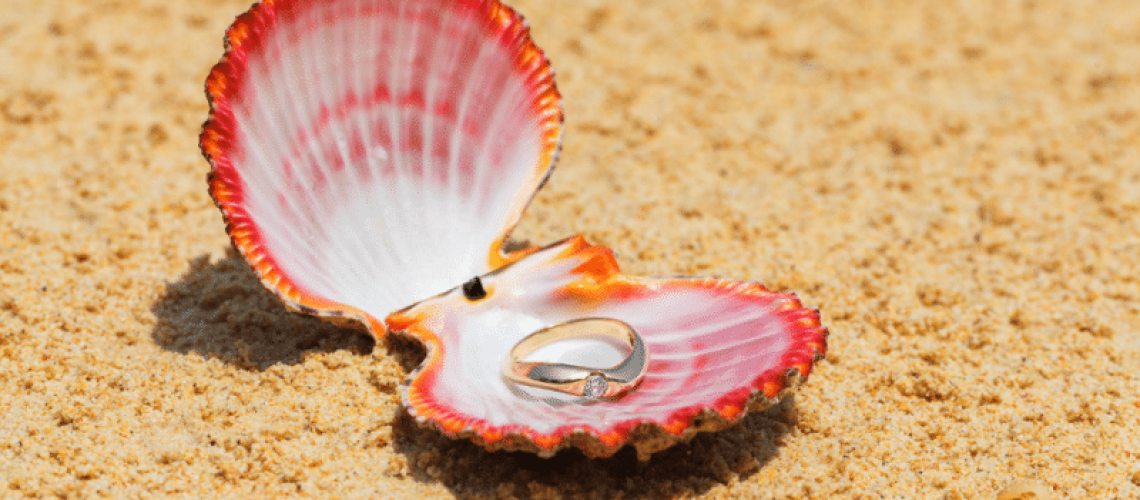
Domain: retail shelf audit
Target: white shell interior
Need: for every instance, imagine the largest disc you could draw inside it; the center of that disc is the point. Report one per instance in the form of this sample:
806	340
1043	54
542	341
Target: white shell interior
384	147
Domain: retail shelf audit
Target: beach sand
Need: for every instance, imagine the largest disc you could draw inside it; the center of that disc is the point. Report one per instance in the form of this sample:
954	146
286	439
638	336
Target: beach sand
955	185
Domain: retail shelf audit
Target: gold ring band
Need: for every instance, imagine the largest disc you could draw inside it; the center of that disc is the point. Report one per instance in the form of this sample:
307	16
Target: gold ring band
592	383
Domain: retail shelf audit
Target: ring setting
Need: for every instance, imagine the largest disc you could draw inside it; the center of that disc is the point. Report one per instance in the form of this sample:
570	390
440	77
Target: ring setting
590	383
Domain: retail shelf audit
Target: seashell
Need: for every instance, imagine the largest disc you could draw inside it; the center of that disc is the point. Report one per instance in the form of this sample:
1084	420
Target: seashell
371	154
718	349
368	154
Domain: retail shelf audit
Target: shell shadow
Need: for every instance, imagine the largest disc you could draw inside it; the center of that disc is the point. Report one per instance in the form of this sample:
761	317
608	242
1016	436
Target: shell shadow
709	459
220	310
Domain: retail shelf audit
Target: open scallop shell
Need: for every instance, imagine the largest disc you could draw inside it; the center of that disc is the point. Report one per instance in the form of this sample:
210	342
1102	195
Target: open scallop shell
717	349
371	154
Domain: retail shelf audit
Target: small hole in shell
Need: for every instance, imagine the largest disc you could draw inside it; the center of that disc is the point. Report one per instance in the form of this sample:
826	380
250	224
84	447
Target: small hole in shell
473	289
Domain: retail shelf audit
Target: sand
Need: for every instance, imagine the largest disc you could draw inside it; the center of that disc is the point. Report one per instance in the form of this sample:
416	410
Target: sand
955	185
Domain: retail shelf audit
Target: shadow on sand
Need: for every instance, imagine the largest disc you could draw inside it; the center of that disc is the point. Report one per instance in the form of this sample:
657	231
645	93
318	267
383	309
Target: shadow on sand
693	468
221	310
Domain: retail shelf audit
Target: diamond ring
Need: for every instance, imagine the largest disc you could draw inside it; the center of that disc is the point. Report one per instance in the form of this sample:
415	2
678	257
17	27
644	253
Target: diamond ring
593	383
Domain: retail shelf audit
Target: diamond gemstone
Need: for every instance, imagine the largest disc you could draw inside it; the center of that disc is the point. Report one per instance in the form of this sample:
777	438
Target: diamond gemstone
595	386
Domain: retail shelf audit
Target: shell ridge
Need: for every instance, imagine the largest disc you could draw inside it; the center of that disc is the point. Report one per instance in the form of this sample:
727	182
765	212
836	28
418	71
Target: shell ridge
463	106
306	26
389	134
340	112
403	89
375	94
363	135
431	104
